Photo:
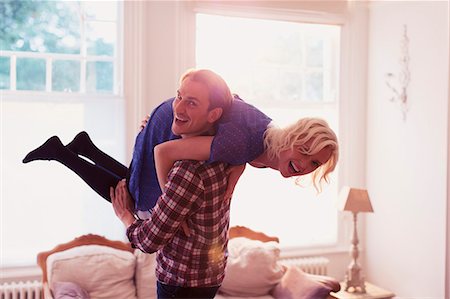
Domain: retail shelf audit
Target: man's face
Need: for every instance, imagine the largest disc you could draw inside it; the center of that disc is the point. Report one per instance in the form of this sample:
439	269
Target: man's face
190	110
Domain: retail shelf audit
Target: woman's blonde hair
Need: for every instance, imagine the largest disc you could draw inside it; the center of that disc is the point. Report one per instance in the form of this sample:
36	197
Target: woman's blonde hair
297	135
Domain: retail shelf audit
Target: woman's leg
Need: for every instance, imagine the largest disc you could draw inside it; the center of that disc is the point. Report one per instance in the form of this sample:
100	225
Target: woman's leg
98	178
83	145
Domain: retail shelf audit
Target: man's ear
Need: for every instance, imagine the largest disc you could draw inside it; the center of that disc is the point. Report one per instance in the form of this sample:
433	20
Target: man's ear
214	114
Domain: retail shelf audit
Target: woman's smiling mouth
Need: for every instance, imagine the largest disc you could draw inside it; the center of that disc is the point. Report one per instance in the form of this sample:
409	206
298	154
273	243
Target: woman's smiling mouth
293	168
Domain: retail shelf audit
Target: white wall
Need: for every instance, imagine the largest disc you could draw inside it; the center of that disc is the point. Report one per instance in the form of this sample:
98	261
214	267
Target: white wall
152	64
447	277
406	169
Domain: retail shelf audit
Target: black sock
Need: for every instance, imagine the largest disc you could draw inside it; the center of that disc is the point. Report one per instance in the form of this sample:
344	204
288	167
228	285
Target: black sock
83	145
47	151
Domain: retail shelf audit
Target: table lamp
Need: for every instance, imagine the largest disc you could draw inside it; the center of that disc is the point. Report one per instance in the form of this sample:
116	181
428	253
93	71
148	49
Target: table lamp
354	200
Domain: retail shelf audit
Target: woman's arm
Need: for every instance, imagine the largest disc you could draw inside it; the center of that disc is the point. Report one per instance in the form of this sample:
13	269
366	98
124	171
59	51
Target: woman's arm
192	148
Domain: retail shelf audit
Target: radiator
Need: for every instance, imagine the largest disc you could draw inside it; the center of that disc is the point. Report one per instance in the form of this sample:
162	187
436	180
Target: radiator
313	265
21	290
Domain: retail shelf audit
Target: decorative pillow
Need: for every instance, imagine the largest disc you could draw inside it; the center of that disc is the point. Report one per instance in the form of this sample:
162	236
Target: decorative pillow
145	277
296	284
68	290
252	268
102	271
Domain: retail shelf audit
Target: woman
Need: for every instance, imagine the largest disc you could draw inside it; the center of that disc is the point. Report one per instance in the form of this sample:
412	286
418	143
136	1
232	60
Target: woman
243	135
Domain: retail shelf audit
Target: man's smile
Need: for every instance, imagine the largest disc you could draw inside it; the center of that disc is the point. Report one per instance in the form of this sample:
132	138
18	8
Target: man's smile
181	119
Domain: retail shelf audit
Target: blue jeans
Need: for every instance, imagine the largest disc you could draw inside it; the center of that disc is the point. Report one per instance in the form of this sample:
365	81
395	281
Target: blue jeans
167	291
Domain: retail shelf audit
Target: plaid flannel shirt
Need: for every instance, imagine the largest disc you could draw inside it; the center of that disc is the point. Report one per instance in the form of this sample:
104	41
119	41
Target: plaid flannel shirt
194	193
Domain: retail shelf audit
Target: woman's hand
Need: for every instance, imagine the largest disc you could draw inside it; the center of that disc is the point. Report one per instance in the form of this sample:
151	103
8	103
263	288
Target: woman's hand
234	173
122	203
144	122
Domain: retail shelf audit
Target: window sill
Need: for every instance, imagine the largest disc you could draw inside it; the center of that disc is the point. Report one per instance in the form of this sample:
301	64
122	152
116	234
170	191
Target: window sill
25	96
313	251
20	273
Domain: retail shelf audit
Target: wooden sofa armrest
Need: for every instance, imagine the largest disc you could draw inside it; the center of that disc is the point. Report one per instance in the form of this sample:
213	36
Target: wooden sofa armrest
46	293
89	239
242	231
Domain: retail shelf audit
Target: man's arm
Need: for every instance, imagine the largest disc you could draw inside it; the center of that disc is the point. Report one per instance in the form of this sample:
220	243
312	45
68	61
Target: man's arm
181	195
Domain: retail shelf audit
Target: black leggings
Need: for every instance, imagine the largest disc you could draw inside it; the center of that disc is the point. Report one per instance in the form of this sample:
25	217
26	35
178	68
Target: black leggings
103	173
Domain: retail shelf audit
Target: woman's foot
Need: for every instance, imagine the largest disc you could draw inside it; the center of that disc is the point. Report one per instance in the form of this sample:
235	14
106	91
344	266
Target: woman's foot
80	143
47	151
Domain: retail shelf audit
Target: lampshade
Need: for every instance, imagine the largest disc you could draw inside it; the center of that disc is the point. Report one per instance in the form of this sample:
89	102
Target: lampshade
355	200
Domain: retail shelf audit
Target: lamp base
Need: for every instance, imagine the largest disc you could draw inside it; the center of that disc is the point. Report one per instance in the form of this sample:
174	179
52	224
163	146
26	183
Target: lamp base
354	278
355	289
354	281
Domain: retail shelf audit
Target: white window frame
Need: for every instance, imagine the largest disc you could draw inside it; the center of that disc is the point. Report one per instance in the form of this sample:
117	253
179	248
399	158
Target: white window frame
351	104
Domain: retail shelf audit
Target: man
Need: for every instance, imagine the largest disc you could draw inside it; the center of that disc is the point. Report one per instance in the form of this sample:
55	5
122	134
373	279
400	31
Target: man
187	266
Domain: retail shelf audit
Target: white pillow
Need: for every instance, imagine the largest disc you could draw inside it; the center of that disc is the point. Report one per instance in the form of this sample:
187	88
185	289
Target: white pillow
145	277
252	267
102	271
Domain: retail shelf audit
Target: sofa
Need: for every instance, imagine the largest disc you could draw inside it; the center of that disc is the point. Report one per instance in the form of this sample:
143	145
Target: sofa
94	267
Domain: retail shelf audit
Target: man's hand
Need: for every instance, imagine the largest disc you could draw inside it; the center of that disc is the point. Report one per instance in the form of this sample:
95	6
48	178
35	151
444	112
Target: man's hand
122	203
234	173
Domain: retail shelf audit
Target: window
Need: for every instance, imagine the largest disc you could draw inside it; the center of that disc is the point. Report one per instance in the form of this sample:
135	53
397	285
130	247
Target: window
59	46
60	73
289	70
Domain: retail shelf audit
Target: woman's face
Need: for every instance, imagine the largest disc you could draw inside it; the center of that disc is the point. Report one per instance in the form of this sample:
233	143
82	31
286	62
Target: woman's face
294	163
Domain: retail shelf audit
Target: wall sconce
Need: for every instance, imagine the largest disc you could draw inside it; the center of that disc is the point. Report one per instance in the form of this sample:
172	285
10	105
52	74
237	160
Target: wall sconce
398	84
354	200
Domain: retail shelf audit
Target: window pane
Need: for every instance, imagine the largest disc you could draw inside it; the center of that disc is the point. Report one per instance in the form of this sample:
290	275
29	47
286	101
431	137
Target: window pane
100	11
99	77
40	26
43	202
281	208
101	38
291	86
314	86
265	91
280	67
272	49
4	72
30	74
53	27
314	51
285	203
66	75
